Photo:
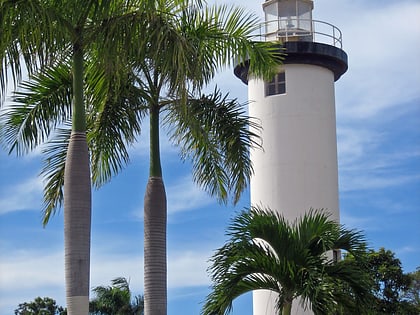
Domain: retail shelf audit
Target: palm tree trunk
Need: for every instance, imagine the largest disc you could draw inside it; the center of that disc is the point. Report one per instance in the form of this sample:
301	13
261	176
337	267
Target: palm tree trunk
77	203
155	248
155	217
287	308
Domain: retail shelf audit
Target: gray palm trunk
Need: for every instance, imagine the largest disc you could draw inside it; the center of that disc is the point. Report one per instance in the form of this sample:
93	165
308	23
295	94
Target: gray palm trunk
155	299
77	222
77	200
155	217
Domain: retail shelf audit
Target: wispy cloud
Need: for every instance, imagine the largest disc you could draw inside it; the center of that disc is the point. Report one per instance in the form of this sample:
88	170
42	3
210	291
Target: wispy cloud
353	144
376	39
407	250
188	268
29	269
24	273
363	167
26	195
182	195
374	180
364	223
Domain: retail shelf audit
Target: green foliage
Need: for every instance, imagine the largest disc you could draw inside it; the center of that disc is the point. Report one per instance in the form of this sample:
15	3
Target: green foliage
411	294
133	52
40	306
265	251
389	280
116	300
214	132
393	291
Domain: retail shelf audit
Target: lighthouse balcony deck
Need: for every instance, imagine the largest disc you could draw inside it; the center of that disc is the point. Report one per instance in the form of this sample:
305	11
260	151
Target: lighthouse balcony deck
302	41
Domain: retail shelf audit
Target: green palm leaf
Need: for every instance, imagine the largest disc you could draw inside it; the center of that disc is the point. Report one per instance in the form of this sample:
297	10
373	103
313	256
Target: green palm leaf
290	258
55	152
46	100
214	132
115	114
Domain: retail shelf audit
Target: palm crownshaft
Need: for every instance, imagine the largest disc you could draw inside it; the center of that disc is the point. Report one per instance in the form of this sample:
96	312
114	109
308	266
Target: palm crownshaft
79	117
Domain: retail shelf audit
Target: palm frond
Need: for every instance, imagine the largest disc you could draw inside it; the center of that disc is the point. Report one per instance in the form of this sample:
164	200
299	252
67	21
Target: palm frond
115	26
116	109
55	152
42	103
214	132
116	299
235	274
30	32
233	43
264	251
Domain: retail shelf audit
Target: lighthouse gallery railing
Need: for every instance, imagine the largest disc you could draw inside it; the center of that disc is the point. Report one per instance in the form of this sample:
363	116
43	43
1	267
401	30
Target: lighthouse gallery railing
297	29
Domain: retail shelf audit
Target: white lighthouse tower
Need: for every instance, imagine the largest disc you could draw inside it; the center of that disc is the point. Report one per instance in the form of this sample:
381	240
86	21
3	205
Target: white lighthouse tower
297	168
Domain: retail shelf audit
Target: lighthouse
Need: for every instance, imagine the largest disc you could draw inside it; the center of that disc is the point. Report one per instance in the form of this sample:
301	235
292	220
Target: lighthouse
297	168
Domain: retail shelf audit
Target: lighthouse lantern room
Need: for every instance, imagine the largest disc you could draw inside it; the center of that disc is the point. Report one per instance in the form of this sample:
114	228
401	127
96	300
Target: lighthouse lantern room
288	19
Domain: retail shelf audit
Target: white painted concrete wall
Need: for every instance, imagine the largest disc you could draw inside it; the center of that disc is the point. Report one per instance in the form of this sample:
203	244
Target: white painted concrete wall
298	168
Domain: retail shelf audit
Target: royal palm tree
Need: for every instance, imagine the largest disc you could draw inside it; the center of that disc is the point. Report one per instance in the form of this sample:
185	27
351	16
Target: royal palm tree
185	44
211	130
116	299
52	40
292	259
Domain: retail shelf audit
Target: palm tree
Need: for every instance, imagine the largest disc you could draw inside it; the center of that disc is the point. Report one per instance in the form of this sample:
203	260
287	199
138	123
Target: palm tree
211	130
162	75
292	259
52	40
116	300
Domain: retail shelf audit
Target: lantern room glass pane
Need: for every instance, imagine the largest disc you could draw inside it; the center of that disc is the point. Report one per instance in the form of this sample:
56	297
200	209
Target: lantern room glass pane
304	13
271	17
287	9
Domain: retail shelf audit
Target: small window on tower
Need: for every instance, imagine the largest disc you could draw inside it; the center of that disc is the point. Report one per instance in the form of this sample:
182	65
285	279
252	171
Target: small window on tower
277	85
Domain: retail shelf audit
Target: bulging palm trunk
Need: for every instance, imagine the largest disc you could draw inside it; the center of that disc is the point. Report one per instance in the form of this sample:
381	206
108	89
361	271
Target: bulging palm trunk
77	224
155	217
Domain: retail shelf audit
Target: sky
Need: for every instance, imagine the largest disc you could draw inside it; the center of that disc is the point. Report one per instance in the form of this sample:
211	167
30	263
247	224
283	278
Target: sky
378	131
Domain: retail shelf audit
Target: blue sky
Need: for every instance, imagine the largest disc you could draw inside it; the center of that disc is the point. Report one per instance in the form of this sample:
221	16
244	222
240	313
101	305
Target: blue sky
378	128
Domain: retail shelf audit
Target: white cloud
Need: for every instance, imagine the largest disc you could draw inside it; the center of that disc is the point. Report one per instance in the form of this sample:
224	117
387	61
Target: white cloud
376	181
382	73
364	164
184	195
25	275
406	250
23	196
30	270
188	268
353	144
361	223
